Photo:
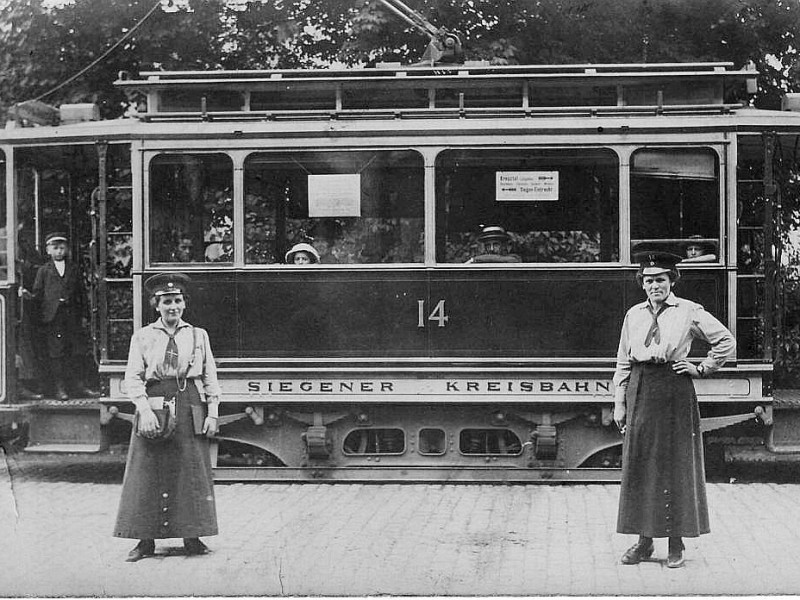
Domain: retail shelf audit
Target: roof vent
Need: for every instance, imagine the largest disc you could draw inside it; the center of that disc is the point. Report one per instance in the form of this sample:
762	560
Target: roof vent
791	102
78	113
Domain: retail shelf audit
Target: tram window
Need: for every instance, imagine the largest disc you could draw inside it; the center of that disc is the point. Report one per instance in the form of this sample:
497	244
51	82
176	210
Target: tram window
432	441
675	201
353	207
119	255
375	441
191	208
191	101
557	205
366	99
3	221
119	305
489	441
473	96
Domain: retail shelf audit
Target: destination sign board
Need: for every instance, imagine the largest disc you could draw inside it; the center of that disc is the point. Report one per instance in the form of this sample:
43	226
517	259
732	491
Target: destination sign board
526	186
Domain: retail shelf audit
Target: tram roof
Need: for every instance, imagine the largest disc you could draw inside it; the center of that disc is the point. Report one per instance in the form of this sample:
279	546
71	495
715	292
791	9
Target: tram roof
560	89
416	127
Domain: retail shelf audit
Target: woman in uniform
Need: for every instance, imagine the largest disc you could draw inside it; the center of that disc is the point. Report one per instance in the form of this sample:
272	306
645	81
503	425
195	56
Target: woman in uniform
168	491
663	478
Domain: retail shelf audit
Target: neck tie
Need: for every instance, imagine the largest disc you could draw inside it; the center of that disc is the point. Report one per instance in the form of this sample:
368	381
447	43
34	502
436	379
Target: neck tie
654	335
171	355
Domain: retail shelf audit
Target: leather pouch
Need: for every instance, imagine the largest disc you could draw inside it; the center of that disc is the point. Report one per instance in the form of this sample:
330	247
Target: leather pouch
164	410
199	412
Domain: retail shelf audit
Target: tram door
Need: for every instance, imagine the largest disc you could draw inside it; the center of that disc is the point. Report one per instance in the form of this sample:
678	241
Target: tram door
83	190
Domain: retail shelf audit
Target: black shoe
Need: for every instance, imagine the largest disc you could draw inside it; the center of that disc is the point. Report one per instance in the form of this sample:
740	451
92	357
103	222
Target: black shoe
194	547
675	557
637	553
143	549
24	393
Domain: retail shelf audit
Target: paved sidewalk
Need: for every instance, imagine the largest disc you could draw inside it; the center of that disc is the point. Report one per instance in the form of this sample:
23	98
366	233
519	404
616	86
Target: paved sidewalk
351	539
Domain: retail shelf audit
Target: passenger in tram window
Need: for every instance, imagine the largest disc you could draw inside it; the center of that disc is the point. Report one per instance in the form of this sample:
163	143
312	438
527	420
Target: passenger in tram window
494	244
29	372
302	254
168	490
58	290
184	251
663	492
696	250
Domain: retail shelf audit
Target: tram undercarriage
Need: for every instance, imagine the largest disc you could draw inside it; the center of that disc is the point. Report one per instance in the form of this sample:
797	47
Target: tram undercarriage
476	442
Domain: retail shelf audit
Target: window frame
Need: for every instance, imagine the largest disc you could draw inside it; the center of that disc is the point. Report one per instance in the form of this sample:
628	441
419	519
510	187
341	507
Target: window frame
429	155
239	158
147	208
718	151
610	148
324	266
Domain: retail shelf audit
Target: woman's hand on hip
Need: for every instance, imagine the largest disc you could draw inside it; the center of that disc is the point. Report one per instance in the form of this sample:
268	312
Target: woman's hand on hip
684	367
148	423
210	426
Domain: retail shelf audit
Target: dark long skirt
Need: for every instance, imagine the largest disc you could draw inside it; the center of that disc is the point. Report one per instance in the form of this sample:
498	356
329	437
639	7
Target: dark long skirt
663	491
168	490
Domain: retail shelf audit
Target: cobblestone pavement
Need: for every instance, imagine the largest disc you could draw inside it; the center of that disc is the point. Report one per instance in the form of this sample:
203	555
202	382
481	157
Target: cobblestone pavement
351	539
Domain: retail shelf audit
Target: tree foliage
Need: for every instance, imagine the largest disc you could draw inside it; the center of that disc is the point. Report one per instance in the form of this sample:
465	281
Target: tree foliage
42	45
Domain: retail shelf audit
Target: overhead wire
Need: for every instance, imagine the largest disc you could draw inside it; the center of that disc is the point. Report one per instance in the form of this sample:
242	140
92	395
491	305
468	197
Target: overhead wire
102	57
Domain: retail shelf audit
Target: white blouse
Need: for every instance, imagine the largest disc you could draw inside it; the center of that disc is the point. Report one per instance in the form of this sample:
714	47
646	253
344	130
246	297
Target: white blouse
679	323
146	360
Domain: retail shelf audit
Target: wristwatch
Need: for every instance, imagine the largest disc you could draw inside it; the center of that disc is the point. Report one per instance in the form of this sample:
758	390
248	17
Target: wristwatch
701	370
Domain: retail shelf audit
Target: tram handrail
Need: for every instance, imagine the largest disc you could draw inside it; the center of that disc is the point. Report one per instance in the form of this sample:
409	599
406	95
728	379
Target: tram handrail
672	68
332	113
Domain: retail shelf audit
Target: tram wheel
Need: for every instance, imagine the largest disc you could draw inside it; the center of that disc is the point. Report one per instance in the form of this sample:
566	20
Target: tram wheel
238	454
607	458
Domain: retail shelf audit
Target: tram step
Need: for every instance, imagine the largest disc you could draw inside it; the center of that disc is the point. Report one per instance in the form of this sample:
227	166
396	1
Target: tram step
760	455
12	419
11	413
72	426
64	448
786	399
786	419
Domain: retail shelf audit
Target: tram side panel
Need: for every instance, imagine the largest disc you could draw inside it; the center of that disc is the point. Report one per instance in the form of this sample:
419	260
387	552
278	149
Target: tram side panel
473	417
461	314
14	425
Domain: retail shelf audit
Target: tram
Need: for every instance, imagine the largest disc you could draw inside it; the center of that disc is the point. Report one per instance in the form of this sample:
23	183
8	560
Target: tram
397	356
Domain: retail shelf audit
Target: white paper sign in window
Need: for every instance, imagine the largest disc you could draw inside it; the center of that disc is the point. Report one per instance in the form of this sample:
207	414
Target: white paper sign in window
526	186
334	195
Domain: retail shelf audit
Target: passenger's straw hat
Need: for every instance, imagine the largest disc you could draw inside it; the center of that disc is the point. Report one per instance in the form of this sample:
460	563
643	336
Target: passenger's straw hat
302	247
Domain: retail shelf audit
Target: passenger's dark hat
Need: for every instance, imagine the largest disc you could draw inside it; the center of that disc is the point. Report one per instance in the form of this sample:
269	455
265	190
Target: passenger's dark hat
167	283
55	236
493	232
654	262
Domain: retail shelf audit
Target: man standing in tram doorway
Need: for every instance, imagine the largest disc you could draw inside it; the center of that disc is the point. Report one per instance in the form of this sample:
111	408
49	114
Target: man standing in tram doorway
59	293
